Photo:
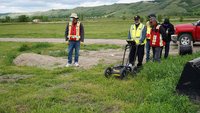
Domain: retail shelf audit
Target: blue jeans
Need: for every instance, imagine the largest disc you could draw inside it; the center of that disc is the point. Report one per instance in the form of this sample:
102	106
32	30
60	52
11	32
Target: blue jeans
148	47
73	45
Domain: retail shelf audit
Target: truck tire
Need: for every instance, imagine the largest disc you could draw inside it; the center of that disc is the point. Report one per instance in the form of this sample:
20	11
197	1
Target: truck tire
185	49
185	39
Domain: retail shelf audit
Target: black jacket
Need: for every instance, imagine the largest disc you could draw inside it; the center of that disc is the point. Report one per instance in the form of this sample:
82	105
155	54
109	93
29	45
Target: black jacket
81	32
169	29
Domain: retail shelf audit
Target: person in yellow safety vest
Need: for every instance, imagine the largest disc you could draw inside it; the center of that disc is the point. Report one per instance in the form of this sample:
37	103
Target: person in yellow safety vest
138	34
74	35
148	35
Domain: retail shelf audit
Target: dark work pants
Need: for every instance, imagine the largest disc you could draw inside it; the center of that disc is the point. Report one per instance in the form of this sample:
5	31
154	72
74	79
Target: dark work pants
156	54
167	47
148	47
139	54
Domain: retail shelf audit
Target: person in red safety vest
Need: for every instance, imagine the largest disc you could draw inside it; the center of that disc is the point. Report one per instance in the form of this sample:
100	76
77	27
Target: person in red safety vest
74	35
148	35
157	39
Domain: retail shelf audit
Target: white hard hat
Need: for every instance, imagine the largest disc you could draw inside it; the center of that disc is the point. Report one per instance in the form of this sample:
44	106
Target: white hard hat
74	15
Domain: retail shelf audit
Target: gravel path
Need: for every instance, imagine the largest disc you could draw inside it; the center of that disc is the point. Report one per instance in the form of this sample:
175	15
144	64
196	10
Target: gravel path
59	40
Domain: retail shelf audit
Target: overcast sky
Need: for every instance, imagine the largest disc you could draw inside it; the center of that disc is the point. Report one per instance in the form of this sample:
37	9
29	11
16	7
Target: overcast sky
44	5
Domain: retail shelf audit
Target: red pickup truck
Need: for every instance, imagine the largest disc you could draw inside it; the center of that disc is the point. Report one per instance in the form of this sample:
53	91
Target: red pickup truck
185	33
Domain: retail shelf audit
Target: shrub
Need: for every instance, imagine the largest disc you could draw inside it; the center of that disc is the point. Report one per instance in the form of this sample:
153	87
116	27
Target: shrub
10	57
24	47
41	45
181	19
58	53
23	18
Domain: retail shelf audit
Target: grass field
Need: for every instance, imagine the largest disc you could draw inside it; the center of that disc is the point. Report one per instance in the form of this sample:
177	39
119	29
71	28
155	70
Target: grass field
93	29
106	29
70	90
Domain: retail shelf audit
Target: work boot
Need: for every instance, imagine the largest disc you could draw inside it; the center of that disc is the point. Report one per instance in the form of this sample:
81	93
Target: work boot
139	65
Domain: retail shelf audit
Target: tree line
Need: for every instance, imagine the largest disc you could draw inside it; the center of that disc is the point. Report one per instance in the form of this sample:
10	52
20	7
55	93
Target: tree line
24	18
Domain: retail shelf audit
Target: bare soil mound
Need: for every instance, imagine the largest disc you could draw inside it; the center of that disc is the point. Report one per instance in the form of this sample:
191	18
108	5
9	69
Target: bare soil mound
44	61
87	59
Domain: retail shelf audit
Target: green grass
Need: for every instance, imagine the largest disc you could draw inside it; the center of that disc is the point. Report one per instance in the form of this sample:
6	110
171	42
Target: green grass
73	90
26	30
104	29
93	29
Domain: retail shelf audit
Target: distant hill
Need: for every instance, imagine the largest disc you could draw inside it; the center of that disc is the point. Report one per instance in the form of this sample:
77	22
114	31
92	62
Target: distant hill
161	7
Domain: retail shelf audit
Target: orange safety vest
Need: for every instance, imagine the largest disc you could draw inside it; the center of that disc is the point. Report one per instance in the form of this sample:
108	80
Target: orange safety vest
73	37
156	38
148	35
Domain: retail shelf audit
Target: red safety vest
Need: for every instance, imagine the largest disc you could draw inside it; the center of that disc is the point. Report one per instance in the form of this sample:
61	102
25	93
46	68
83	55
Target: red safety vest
74	32
156	38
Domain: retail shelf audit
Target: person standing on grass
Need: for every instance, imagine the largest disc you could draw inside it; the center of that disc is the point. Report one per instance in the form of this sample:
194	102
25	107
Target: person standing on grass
157	40
74	35
138	34
148	35
169	29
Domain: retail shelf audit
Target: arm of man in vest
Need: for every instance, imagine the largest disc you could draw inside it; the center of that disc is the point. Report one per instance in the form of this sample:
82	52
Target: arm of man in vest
129	35
172	29
143	35
82	33
163	33
66	32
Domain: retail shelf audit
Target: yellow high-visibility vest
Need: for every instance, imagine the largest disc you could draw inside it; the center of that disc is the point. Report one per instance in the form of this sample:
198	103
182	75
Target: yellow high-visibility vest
148	35
77	36
136	33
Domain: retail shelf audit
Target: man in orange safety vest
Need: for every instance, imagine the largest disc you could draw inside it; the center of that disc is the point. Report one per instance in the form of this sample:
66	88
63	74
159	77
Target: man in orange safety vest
74	35
148	35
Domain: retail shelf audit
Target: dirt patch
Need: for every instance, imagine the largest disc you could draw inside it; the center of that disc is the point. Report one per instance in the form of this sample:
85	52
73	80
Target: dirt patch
87	59
3	90
44	61
13	78
21	108
91	58
112	109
